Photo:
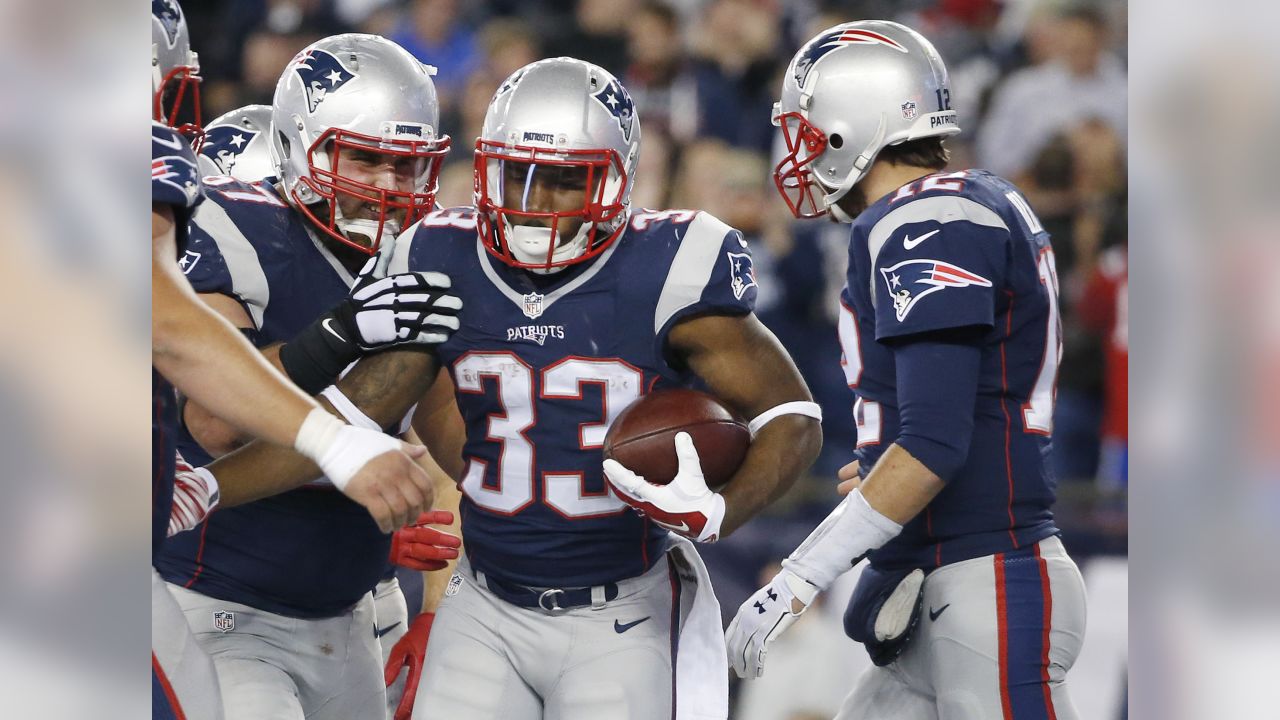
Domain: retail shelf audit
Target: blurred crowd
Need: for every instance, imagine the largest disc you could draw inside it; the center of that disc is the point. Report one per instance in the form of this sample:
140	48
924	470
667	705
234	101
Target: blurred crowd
1040	87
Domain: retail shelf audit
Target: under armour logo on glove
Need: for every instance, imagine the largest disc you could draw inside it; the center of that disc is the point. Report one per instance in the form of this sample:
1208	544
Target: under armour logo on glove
686	506
750	633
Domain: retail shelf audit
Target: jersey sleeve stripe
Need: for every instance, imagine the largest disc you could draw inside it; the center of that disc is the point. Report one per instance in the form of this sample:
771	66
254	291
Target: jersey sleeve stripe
942	209
691	268
248	280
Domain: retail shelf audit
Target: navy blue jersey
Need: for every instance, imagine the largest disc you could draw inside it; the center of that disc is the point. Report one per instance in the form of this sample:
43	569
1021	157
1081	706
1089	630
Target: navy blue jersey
543	364
959	250
310	552
174	182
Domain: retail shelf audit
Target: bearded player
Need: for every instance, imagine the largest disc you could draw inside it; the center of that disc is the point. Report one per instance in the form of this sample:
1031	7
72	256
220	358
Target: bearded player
205	358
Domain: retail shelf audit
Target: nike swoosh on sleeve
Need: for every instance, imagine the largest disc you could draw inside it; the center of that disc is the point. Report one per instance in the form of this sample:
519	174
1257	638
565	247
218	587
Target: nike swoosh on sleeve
910	244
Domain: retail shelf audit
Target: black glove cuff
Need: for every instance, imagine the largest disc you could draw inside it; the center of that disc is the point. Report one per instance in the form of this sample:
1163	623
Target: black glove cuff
317	355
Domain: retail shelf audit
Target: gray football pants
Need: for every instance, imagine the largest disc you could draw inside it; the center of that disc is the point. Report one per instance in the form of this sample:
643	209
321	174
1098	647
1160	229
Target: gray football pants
178	662
491	660
273	667
996	638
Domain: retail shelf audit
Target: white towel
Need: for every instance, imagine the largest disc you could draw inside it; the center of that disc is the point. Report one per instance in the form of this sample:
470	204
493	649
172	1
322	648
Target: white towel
702	663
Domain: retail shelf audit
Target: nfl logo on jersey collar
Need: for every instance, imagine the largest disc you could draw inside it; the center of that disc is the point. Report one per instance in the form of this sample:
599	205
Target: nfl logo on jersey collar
224	621
533	305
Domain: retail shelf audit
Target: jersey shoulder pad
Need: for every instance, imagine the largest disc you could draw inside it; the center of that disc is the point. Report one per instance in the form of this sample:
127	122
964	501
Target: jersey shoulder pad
430	243
175	174
235	236
711	271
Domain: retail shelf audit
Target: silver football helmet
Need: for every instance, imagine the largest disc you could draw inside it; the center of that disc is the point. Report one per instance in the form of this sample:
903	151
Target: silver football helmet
175	69
236	144
849	92
360	93
564	119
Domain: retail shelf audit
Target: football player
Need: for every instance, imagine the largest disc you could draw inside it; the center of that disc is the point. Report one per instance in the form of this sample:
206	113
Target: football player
236	143
951	344
569	603
278	590
203	356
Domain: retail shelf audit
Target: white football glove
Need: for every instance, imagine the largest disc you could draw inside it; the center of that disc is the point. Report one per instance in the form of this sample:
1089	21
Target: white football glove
195	495
763	617
686	506
413	307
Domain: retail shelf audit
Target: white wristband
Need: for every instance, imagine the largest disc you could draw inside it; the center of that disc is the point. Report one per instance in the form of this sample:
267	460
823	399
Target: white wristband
348	409
356	416
798	407
851	531
339	449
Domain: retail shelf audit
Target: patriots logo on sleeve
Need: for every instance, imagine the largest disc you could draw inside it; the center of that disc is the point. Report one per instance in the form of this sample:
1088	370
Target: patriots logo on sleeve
911	280
167	12
179	173
742	275
224	145
615	99
321	74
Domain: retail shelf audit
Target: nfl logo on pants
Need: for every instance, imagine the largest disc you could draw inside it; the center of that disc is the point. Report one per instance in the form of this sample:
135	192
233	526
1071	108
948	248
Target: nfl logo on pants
224	621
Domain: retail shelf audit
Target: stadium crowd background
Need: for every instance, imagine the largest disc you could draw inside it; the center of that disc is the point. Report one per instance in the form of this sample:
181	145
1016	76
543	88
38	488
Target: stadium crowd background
1040	87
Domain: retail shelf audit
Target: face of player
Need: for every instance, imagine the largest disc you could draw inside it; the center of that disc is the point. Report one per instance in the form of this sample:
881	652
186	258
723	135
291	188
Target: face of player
363	172
543	188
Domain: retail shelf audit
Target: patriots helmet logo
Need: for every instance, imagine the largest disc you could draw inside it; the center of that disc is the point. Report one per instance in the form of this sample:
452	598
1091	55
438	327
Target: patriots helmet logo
321	74
742	274
911	280
224	145
167	12
617	101
826	42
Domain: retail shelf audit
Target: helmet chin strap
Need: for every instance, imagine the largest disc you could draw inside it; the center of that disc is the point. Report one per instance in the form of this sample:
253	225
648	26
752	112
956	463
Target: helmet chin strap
390	227
860	167
529	245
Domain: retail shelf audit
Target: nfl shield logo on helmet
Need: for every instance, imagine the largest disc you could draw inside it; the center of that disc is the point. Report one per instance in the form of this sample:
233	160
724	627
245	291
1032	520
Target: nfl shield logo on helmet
908	110
224	621
533	305
321	74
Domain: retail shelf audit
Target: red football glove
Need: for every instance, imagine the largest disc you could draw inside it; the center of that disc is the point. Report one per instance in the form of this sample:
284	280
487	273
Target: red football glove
410	651
418	547
195	495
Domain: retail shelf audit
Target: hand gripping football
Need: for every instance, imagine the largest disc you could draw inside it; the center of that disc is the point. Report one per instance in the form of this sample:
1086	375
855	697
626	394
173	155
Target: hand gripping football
642	438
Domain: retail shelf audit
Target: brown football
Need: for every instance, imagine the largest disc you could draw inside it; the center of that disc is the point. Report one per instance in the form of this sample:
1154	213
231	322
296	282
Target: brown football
643	437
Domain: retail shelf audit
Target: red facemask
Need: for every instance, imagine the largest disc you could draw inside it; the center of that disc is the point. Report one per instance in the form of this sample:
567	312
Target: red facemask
794	175
418	159
181	85
496	219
